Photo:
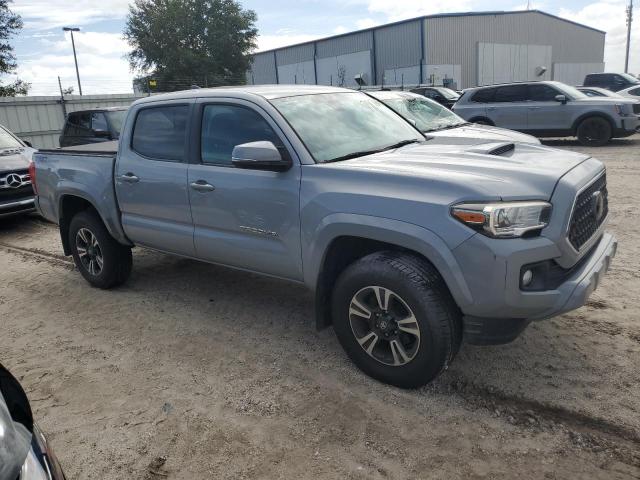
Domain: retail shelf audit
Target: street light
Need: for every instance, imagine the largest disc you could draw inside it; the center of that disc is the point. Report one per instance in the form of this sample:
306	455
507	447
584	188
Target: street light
75	58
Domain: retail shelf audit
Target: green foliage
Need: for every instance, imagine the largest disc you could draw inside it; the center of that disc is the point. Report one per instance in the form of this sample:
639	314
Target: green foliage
10	24
184	42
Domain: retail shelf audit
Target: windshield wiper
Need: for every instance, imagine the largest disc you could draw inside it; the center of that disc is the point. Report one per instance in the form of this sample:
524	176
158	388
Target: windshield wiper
371	152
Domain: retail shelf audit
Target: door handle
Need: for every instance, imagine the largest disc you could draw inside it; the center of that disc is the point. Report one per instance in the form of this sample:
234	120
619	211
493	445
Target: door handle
534	108
491	109
129	178
202	186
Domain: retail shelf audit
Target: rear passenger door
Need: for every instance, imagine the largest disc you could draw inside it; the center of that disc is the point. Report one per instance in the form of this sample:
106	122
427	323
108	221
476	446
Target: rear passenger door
509	107
243	218
151	177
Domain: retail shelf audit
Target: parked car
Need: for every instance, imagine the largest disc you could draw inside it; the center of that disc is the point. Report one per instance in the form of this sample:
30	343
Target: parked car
441	124
25	453
442	95
92	126
16	192
550	109
631	92
409	246
611	81
598	92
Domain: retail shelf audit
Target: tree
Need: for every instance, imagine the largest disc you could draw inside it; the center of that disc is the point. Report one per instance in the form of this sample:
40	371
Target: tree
184	42
10	24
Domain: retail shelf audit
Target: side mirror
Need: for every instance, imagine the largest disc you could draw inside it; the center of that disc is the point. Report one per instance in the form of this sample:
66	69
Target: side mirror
102	134
263	155
561	98
27	143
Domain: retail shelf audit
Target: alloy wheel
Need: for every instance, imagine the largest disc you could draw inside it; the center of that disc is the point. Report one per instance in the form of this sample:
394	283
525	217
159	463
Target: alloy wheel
89	251
384	325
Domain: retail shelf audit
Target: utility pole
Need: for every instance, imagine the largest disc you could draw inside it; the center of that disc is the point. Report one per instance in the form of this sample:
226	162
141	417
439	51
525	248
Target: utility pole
64	108
629	20
75	57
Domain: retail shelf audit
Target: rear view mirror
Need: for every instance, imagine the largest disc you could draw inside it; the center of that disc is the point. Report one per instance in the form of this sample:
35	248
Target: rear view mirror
561	98
261	155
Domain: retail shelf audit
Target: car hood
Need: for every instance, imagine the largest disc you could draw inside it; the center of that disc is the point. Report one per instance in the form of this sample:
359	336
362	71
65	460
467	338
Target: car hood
470	134
604	100
15	443
15	159
525	171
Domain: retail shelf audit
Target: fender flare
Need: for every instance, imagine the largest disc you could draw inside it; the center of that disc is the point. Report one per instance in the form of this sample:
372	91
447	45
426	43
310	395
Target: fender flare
406	235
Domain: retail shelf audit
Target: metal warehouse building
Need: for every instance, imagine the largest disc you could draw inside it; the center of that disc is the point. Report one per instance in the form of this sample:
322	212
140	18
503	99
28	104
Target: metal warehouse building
463	50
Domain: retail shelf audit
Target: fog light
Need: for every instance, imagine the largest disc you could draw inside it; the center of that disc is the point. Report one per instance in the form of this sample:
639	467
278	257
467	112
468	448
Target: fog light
527	276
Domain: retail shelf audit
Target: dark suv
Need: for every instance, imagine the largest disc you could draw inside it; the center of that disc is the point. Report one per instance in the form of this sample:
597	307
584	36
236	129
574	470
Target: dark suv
611	81
92	126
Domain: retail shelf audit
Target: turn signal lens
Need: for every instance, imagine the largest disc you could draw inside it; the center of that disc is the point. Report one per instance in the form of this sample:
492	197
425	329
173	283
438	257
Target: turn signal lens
468	216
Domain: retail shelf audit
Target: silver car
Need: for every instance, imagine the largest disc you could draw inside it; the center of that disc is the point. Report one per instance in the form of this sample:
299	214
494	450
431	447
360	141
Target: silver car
442	124
550	109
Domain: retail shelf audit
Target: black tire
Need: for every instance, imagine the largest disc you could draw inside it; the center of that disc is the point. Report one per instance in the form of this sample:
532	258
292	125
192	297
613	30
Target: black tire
594	132
417	286
116	258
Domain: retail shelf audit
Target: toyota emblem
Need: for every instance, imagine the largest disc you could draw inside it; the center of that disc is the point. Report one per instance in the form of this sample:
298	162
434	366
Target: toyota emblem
13	180
598	205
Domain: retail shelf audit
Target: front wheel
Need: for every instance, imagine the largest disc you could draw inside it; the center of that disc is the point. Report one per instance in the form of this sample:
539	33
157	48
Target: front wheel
396	319
594	132
101	260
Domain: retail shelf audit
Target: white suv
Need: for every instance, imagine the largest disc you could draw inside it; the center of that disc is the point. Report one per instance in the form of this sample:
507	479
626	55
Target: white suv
550	109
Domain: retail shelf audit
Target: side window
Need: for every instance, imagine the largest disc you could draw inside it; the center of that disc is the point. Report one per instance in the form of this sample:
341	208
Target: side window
635	91
159	132
511	93
225	126
542	93
484	96
99	121
619	81
79	124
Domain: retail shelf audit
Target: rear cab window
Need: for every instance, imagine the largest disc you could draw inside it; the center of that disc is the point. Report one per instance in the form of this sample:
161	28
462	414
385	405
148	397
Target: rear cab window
159	133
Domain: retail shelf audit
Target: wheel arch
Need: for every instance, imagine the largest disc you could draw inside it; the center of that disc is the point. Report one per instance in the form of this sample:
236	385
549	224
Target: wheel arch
73	202
488	121
346	238
584	116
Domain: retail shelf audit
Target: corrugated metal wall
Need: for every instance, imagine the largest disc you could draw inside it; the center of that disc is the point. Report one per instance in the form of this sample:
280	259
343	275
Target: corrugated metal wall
40	119
397	46
445	40
454	39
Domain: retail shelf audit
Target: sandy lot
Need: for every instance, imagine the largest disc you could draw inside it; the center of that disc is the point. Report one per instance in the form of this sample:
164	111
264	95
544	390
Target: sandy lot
192	371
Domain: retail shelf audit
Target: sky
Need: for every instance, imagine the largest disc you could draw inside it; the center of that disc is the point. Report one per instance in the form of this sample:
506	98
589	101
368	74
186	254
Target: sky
44	51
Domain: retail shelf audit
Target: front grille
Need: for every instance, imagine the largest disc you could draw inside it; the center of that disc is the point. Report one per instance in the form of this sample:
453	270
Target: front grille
636	108
15	186
590	211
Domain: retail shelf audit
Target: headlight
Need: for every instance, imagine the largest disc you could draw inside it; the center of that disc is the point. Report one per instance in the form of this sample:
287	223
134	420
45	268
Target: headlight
504	219
623	109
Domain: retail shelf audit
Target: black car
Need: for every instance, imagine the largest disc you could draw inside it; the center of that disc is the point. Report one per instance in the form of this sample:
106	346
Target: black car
443	95
611	81
16	191
92	126
24	451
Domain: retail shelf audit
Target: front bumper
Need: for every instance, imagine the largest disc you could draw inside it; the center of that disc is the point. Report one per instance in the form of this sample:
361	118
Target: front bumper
17	207
629	125
501	310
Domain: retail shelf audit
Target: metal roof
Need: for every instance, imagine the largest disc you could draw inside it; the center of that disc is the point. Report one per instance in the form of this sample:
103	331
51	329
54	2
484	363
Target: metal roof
439	15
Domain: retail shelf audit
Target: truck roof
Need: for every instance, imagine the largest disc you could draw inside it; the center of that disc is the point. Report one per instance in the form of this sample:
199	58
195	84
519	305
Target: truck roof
246	91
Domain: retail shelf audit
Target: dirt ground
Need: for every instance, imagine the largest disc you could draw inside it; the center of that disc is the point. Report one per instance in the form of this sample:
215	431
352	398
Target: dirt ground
192	371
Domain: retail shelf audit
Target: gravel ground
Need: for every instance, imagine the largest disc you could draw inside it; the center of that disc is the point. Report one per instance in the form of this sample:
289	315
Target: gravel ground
192	371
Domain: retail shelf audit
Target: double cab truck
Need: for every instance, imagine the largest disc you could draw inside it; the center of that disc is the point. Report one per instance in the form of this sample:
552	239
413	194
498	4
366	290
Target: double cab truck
411	247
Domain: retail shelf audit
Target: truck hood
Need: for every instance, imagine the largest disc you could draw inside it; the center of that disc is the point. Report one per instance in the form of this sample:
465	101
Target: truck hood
15	159
470	134
523	171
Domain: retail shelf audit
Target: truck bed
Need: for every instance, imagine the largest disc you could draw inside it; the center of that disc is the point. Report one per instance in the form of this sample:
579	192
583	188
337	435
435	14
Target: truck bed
85	172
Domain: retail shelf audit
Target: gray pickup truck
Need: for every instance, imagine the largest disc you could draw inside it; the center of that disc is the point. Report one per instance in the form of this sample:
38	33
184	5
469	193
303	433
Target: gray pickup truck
409	246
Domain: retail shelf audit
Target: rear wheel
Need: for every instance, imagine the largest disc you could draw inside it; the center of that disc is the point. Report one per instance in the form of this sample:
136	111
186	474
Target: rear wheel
395	318
101	260
594	132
